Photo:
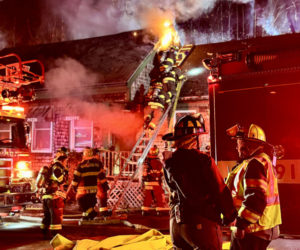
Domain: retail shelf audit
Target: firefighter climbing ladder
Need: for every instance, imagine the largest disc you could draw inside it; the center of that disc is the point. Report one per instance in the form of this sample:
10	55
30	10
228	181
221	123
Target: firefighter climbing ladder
144	142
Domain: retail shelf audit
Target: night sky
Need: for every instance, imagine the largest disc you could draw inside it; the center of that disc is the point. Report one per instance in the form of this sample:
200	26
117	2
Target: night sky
28	22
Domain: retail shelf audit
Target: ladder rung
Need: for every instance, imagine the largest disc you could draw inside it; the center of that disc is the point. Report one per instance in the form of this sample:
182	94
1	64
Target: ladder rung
141	146
132	162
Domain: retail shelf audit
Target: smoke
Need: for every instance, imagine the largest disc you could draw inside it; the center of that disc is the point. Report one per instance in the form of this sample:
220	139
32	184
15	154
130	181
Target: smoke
108	118
91	18
68	76
280	17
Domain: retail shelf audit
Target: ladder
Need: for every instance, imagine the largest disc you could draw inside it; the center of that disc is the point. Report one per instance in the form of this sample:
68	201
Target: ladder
144	142
139	153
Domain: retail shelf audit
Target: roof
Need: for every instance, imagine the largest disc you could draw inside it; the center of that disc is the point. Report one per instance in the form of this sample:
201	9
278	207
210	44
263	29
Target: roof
113	58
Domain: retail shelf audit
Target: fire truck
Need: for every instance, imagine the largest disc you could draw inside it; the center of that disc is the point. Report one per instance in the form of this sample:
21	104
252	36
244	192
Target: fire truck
258	81
18	80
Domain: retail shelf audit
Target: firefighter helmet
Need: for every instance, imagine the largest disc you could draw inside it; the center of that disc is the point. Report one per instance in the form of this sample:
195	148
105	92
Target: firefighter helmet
255	133
61	151
186	126
153	152
88	152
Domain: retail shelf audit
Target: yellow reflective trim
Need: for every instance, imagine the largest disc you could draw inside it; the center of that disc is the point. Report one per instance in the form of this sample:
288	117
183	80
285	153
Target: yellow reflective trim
102	209
146	208
77	173
89	210
151	183
248	215
90	174
256	183
155	104
168	79
47	196
170	94
55	227
74	183
161	96
170	60
43	226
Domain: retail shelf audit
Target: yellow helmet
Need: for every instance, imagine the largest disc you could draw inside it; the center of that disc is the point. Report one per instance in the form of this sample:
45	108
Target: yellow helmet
256	132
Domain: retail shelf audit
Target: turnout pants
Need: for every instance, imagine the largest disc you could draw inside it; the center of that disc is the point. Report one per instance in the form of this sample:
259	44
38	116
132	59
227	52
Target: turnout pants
205	234
153	192
249	242
87	203
53	214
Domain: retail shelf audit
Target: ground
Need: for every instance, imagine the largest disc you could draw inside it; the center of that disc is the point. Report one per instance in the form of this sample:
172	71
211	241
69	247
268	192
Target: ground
21	231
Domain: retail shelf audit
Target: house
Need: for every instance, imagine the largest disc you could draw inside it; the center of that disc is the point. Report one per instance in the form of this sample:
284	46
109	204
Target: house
93	93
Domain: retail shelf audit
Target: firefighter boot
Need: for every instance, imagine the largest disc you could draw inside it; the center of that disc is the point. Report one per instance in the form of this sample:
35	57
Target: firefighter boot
92	215
46	234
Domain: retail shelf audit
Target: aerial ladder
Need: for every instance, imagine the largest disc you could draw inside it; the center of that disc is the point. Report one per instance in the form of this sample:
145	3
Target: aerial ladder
141	148
19	78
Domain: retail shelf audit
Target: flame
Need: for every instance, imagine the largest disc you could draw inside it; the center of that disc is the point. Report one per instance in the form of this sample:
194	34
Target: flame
169	36
160	23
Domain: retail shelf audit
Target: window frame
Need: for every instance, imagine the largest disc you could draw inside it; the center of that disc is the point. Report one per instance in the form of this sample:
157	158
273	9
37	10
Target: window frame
33	135
72	134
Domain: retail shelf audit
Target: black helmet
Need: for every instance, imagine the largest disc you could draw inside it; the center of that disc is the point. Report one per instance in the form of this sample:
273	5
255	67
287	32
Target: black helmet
187	125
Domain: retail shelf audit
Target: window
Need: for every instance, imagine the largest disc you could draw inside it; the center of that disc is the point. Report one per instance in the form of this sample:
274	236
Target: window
5	131
81	134
41	137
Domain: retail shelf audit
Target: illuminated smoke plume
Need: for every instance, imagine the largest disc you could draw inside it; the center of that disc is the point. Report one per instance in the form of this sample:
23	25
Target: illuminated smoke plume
114	119
280	17
90	18
67	75
68	78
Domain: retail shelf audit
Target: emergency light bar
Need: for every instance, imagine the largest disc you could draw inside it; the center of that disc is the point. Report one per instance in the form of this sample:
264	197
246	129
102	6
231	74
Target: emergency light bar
13	108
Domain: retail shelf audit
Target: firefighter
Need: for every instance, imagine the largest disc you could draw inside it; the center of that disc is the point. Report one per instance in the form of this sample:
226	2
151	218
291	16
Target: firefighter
198	193
170	59
253	184
85	183
152	181
156	100
102	188
50	183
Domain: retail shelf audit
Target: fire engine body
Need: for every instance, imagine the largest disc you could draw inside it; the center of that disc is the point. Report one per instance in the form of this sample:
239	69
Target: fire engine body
17	82
259	82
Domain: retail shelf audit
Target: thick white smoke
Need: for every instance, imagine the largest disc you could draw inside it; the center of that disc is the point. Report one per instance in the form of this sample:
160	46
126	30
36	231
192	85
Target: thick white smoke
90	18
68	75
280	17
71	80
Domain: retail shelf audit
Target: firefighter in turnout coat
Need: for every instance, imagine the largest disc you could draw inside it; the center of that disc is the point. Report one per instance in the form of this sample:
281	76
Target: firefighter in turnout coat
50	183
198	193
87	176
253	184
152	180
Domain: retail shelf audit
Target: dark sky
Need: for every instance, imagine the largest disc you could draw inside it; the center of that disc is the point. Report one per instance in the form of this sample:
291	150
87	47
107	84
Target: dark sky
27	22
